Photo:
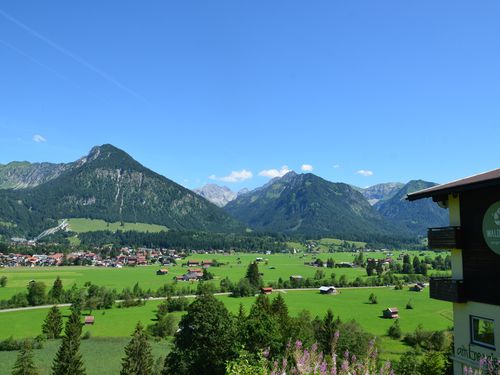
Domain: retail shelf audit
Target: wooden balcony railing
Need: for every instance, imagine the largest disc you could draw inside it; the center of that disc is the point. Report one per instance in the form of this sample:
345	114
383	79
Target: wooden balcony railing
445	238
447	289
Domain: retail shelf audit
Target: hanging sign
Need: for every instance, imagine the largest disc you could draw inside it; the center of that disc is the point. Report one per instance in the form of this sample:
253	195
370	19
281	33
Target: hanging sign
491	227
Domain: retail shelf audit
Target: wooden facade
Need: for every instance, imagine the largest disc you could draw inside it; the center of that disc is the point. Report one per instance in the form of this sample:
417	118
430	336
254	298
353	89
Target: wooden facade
481	266
445	238
447	289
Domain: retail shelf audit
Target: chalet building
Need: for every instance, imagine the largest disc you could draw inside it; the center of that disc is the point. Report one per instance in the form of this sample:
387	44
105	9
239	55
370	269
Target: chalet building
266	290
207	263
162	272
473	237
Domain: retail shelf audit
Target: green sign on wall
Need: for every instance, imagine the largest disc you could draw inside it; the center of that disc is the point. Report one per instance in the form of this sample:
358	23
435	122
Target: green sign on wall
491	227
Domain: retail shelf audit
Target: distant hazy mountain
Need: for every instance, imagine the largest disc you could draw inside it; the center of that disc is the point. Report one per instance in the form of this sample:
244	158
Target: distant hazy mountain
415	216
243	191
380	192
218	195
308	204
108	184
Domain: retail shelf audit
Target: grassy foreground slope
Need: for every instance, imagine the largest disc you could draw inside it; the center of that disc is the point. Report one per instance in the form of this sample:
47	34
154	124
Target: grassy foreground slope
349	304
100	355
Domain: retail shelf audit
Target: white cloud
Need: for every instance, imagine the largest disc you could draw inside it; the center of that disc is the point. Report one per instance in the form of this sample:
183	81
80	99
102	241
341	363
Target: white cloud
39	138
365	172
336	166
307	167
272	173
234	176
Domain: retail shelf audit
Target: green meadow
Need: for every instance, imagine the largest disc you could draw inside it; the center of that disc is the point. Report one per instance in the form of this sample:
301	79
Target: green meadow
80	225
234	266
101	355
349	304
103	351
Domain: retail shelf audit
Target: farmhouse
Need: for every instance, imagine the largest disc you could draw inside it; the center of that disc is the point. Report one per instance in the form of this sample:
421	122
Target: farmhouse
391	313
207	263
266	290
473	237
89	319
296	278
162	272
193	262
327	290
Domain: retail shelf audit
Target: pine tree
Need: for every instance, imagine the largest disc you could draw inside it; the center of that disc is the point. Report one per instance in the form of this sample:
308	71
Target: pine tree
24	363
56	293
326	332
53	324
138	358
68	360
253	275
280	309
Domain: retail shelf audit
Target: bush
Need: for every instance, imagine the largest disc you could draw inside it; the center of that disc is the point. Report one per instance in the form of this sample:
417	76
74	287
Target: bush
3	281
373	299
243	289
165	326
177	304
409	305
10	344
418	338
394	331
131	302
87	335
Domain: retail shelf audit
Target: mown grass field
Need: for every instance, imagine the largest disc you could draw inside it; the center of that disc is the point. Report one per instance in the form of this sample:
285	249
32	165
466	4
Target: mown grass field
79	225
101	355
235	265
325	244
349	304
112	327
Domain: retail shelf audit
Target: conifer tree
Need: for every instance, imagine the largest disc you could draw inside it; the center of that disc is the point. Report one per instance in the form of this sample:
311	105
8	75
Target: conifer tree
56	293
326	333
280	309
53	324
253	275
138	359
24	363
68	360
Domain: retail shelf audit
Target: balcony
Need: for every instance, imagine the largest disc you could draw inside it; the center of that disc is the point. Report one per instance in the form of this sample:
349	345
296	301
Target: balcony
445	238
447	289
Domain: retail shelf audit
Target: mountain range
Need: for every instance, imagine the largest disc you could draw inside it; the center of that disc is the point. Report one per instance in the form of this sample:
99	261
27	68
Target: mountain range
109	184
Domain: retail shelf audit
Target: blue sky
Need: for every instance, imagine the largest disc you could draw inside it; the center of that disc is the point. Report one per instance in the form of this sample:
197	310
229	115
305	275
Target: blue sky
361	92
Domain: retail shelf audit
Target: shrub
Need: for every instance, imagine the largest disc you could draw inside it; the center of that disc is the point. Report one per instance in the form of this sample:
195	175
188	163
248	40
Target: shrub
10	344
177	304
394	331
87	335
131	302
373	299
409	305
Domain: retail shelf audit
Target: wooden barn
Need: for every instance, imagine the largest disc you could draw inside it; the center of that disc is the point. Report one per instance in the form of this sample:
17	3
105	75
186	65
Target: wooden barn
391	313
